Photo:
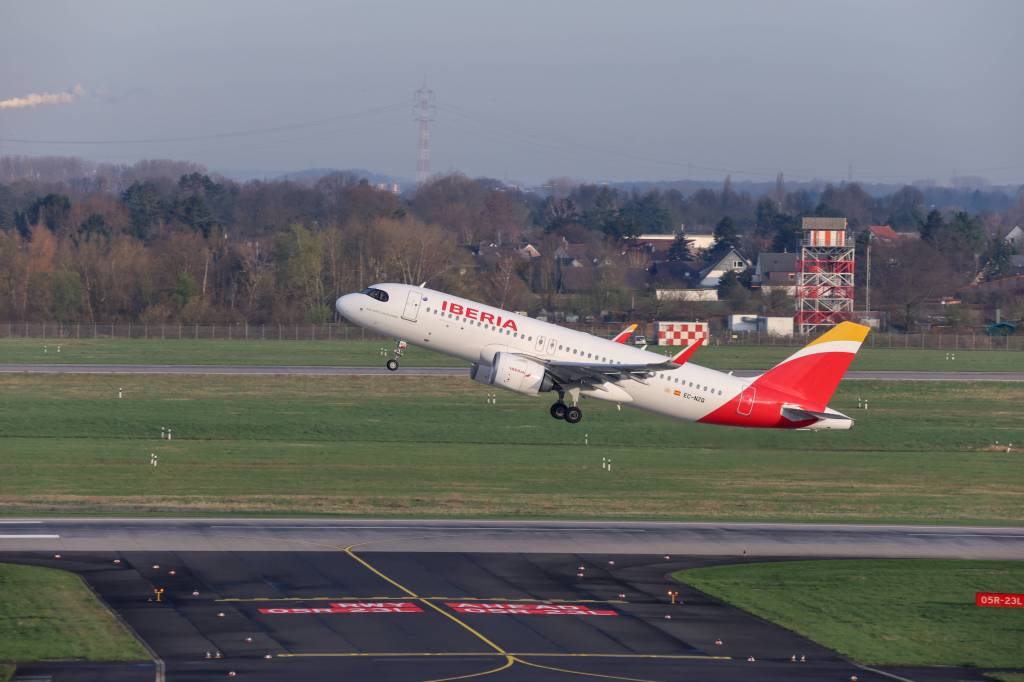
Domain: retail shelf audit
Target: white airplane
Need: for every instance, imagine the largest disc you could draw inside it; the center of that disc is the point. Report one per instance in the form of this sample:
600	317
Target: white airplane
531	357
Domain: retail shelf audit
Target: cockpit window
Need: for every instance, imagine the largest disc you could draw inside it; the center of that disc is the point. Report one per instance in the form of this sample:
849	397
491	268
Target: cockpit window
378	294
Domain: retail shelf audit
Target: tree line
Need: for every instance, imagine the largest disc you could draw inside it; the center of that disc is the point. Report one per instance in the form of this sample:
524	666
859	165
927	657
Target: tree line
166	242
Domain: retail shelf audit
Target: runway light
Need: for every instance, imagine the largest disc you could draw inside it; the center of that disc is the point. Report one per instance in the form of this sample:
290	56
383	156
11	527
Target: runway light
668	616
218	654
171	572
718	642
248	639
853	678
231	673
611	562
622	595
56	556
579	575
792	659
209	655
117	561
751	659
220	614
195	593
156	567
803	659
668	558
268	657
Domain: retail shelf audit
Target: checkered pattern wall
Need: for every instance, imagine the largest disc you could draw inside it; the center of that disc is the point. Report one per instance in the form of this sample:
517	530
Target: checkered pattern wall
682	333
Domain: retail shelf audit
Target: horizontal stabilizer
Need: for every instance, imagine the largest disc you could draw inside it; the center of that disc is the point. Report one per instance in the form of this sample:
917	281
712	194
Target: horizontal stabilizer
796	414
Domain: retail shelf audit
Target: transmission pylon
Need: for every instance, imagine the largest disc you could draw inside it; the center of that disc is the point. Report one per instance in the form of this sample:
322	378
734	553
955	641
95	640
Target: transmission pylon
423	112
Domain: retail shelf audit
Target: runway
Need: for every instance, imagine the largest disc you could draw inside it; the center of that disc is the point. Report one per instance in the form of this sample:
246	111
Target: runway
313	370
419	601
482	537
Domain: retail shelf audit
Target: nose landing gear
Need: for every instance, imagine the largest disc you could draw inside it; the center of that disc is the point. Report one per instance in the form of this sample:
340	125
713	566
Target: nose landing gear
400	347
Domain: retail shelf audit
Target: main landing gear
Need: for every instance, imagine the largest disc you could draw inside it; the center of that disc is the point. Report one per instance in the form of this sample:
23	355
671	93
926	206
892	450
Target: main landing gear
572	414
400	347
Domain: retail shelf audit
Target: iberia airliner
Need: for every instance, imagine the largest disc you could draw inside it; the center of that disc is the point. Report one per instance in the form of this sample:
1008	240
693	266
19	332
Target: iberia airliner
531	357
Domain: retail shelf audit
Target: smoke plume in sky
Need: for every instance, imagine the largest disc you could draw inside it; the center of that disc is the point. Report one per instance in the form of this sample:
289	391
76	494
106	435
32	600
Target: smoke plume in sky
40	98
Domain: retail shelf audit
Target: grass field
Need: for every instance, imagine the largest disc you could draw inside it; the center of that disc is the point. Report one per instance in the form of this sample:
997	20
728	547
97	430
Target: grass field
410	446
882	612
363	353
46	614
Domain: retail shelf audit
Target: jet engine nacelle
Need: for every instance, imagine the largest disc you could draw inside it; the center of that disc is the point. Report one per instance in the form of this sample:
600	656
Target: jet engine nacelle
514	372
480	372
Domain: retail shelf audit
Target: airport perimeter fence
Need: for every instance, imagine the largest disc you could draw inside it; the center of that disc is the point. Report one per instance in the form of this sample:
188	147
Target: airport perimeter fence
241	331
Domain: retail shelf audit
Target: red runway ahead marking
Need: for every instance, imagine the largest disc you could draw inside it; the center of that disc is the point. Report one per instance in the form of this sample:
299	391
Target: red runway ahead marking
527	609
350	607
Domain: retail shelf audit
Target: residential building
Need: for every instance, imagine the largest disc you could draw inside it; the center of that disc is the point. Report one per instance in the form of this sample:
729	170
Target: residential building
776	272
731	261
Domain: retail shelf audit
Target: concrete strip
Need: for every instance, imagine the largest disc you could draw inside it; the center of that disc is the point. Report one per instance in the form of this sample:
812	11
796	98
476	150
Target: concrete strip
691	539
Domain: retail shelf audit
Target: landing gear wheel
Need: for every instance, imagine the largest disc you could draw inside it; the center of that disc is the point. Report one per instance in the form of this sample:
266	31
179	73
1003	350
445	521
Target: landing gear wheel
558	410
573	415
392	365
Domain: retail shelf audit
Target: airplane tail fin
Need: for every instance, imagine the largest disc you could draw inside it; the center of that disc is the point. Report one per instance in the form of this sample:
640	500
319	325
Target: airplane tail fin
812	374
623	336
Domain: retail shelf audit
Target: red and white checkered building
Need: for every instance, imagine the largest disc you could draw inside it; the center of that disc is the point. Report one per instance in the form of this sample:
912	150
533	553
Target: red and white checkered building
682	333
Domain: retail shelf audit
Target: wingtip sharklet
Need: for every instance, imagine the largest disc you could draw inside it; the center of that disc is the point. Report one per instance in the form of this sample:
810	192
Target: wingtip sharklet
682	356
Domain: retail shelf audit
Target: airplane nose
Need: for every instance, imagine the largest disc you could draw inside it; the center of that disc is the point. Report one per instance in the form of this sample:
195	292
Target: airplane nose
346	306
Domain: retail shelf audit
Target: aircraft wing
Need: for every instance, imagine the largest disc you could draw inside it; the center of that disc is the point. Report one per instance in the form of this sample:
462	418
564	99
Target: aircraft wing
599	373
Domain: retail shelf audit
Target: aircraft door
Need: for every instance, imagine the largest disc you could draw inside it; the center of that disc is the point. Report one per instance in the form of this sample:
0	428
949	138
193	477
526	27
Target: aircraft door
552	344
412	306
746	404
540	344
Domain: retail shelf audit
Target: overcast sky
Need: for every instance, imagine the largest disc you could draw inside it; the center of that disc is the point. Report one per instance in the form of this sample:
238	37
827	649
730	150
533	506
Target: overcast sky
528	90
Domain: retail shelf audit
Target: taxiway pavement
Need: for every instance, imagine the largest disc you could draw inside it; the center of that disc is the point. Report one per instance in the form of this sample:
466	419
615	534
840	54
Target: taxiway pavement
415	601
419	617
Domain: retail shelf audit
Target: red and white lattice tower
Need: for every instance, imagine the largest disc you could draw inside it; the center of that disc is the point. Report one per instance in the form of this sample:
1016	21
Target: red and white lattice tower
824	292
682	333
423	112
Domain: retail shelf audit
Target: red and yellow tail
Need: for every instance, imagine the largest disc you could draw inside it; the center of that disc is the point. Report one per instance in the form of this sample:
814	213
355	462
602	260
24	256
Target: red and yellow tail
812	374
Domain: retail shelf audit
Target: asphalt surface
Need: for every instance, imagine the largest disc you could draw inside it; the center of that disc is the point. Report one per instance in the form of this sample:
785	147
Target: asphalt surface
451	615
466	597
311	370
482	537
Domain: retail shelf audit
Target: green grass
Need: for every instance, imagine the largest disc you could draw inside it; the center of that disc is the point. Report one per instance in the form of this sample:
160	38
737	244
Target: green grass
1006	677
6	671
412	446
46	614
364	353
882	612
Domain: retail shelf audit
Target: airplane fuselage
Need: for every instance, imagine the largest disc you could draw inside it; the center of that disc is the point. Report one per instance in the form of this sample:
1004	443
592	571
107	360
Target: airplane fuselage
478	333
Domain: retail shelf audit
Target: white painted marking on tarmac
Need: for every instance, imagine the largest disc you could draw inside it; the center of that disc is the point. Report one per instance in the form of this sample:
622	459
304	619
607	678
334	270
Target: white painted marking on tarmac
28	537
19	523
963	535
